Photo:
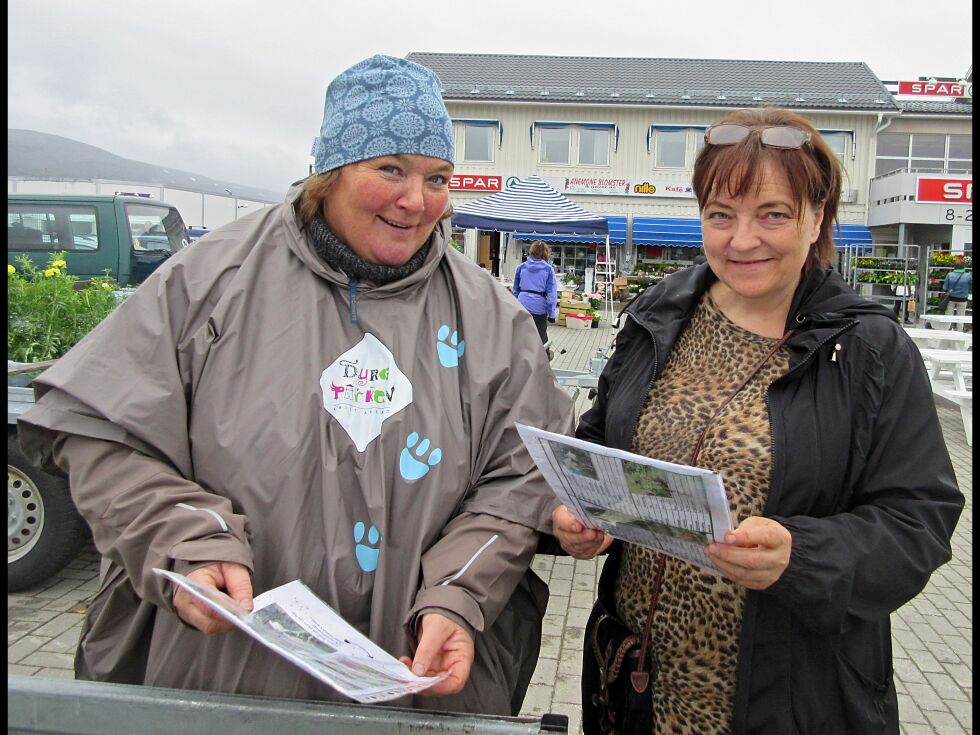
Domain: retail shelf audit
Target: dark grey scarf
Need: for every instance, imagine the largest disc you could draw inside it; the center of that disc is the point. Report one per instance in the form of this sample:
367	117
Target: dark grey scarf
329	247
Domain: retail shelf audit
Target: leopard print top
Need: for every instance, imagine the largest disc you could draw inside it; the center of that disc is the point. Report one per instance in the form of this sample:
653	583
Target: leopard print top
697	622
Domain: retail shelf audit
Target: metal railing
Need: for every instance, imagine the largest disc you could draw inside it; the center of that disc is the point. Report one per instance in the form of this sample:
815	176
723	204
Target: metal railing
70	707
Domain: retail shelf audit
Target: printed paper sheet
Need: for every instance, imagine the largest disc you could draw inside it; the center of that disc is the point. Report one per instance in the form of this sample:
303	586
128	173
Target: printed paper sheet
673	508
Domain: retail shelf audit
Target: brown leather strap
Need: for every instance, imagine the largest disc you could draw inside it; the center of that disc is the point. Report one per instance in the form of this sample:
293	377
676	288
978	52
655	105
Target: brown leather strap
731	397
640	678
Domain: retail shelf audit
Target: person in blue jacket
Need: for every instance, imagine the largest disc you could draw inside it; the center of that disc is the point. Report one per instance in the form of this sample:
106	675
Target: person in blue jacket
536	287
958	285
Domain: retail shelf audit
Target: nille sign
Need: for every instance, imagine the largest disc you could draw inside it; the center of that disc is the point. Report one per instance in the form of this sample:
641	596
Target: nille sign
470	182
937	89
944	191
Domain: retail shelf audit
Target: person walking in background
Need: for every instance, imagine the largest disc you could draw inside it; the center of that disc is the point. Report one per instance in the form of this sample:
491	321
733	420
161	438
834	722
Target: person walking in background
958	284
815	407
306	397
536	287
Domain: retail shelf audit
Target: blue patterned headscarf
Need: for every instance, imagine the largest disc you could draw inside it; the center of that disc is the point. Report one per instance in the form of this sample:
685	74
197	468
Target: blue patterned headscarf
379	107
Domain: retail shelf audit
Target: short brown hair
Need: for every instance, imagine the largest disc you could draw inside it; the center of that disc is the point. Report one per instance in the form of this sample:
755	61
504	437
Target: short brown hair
539	249
315	190
813	171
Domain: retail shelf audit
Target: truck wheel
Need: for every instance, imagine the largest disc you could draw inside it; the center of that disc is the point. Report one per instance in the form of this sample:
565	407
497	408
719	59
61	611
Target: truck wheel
44	530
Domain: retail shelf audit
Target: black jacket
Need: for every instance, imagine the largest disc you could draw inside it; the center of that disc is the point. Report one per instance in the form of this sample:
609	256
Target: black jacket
861	478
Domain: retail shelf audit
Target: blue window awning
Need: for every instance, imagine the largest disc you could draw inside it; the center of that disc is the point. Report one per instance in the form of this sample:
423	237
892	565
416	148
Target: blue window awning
617	234
851	235
683	232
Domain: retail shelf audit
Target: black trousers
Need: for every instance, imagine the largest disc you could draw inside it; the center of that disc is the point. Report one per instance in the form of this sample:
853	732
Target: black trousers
541	322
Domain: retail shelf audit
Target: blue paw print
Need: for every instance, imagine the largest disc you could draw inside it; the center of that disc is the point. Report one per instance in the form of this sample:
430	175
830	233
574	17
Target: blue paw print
367	556
411	468
450	353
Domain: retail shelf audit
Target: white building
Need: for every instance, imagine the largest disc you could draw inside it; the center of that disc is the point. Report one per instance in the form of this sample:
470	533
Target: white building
619	137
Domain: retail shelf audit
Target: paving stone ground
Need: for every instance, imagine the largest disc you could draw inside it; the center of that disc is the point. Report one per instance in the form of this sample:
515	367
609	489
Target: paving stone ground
932	635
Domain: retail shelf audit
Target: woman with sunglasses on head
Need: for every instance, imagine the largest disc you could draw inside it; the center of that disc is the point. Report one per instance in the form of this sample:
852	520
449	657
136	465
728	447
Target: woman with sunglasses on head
765	366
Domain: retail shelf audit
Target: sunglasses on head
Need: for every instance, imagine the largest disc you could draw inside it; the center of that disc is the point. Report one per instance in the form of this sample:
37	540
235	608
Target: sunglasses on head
773	136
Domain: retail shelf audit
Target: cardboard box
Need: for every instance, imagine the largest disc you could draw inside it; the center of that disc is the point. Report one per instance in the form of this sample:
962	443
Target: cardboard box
620	288
578	321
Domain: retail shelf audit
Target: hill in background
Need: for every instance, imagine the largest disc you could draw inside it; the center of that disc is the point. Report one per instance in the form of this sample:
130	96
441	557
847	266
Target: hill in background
51	157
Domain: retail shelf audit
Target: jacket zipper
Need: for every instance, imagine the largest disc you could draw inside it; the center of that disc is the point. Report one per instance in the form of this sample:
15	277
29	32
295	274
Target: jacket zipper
352	290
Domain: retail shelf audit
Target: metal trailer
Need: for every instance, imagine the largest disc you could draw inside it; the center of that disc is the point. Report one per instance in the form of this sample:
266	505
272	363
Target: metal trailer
69	707
44	529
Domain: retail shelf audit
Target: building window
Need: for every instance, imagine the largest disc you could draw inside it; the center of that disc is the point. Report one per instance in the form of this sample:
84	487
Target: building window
593	147
671	151
574	143
959	154
478	143
554	144
924	152
837	142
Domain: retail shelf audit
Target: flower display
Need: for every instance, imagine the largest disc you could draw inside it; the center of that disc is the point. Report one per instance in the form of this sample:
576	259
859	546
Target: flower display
47	313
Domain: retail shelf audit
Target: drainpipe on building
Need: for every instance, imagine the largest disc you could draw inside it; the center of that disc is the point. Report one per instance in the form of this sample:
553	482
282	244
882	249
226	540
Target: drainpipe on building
872	147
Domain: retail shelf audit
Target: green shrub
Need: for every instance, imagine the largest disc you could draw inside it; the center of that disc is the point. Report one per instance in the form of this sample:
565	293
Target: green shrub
46	313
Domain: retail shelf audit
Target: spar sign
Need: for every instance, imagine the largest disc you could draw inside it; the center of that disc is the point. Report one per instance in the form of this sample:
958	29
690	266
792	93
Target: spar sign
932	88
943	190
474	182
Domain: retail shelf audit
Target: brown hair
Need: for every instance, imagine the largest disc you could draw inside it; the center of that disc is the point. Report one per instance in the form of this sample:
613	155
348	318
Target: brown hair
315	190
539	249
813	171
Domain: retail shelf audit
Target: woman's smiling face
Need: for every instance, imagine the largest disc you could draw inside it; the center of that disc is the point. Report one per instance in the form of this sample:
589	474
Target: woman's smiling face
385	208
757	244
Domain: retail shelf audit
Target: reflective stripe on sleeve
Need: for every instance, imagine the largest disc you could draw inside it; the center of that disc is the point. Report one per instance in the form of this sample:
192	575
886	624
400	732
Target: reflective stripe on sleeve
471	560
224	526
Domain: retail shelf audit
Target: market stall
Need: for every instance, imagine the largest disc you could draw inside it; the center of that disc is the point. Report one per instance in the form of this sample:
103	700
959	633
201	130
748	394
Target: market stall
533	209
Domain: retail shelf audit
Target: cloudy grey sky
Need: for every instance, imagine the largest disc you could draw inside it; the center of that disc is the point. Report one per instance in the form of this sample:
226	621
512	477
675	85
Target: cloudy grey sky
233	89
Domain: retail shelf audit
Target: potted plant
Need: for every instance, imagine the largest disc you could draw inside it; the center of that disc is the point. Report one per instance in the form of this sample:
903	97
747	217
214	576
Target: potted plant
595	318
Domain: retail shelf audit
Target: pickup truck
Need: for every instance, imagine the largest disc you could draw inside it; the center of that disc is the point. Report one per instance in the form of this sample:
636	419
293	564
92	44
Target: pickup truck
126	237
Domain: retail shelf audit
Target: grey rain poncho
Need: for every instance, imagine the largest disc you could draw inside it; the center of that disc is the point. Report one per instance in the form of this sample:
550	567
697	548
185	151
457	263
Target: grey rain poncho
248	404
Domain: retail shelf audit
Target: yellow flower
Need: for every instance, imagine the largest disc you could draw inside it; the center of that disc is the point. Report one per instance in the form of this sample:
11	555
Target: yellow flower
107	286
59	264
52	272
10	269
